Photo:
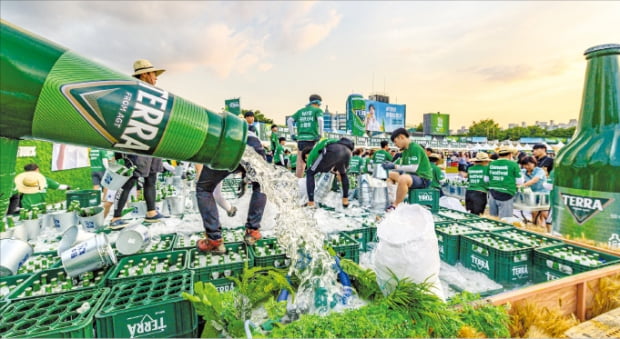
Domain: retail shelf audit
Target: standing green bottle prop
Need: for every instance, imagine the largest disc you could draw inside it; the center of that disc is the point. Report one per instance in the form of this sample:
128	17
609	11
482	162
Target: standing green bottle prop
8	154
586	200
50	93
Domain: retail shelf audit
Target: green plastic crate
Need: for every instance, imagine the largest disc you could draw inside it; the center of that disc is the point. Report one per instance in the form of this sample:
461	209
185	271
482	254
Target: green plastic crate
277	260
120	273
454	215
216	270
165	243
77	283
508	267
550	267
68	315
362	236
527	237
87	198
223	285
233	235
344	246
10	283
487	225
39	262
149	307
428	197
449	242
187	242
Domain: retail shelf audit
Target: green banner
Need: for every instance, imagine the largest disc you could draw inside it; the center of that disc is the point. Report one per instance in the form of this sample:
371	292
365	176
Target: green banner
436	124
357	125
233	106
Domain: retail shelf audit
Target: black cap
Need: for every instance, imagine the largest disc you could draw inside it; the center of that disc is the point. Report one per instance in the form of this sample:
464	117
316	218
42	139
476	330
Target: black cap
315	97
248	114
537	146
398	132
281	139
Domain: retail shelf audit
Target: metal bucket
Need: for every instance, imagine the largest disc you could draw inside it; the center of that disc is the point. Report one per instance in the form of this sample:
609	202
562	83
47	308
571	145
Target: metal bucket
139	209
13	254
176	204
64	220
112	180
20	231
364	194
88	256
133	239
93	223
379	172
33	228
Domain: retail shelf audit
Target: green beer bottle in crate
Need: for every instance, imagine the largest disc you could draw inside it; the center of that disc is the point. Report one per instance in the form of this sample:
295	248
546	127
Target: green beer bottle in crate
586	196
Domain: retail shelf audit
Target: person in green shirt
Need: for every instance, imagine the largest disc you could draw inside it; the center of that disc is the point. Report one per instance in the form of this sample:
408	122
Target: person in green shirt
382	155
478	178
292	163
412	170
309	122
278	155
32	185
355	164
274	139
503	175
438	177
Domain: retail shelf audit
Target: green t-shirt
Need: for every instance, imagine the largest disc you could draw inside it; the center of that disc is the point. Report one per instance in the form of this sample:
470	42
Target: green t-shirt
274	141
438	176
355	164
307	123
381	156
502	176
475	177
365	164
278	152
96	159
29	201
415	155
293	160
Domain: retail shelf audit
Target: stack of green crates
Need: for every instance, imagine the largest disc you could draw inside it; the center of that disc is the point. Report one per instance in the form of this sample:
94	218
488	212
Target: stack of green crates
554	262
449	240
149	307
146	265
68	315
56	281
230	264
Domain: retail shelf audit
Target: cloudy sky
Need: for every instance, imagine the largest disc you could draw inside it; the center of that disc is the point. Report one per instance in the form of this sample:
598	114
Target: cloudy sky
509	61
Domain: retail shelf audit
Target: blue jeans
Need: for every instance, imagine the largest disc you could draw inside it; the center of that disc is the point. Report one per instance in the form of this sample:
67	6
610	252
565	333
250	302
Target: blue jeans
209	178
502	209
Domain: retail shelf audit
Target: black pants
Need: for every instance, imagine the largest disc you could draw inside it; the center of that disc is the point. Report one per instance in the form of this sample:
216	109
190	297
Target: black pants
475	201
149	194
336	157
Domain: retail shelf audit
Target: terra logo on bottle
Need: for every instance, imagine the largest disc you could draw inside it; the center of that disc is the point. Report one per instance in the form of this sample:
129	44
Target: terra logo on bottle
129	114
583	208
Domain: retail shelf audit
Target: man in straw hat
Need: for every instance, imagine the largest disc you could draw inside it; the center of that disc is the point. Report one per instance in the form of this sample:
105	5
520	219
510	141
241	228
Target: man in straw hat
32	185
478	178
438	176
146	167
503	175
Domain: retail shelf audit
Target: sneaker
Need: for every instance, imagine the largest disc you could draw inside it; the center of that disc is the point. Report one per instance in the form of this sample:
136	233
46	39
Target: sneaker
251	236
212	246
118	224
232	212
310	204
157	217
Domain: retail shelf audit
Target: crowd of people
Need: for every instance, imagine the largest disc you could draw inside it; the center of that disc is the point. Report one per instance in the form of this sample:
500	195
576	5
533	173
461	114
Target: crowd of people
493	179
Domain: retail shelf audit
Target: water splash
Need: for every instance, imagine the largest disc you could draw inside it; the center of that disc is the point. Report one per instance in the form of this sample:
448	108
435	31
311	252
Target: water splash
297	231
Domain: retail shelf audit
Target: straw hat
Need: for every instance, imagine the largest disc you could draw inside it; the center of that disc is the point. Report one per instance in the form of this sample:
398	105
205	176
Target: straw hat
30	182
481	156
144	66
503	150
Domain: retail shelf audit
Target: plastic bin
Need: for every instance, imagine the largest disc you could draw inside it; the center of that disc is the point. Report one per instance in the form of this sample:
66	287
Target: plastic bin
428	197
87	198
55	279
548	266
272	258
216	266
153	264
449	240
149	307
55	316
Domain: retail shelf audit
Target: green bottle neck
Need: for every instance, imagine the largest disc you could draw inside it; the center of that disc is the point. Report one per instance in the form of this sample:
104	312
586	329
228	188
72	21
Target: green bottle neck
600	107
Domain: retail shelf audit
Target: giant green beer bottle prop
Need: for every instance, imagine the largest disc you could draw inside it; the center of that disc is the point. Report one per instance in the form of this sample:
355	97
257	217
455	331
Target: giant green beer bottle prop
587	170
50	93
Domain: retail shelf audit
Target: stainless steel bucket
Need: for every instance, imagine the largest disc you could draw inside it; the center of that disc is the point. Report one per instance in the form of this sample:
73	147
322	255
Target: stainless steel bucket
133	239
88	256
13	254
